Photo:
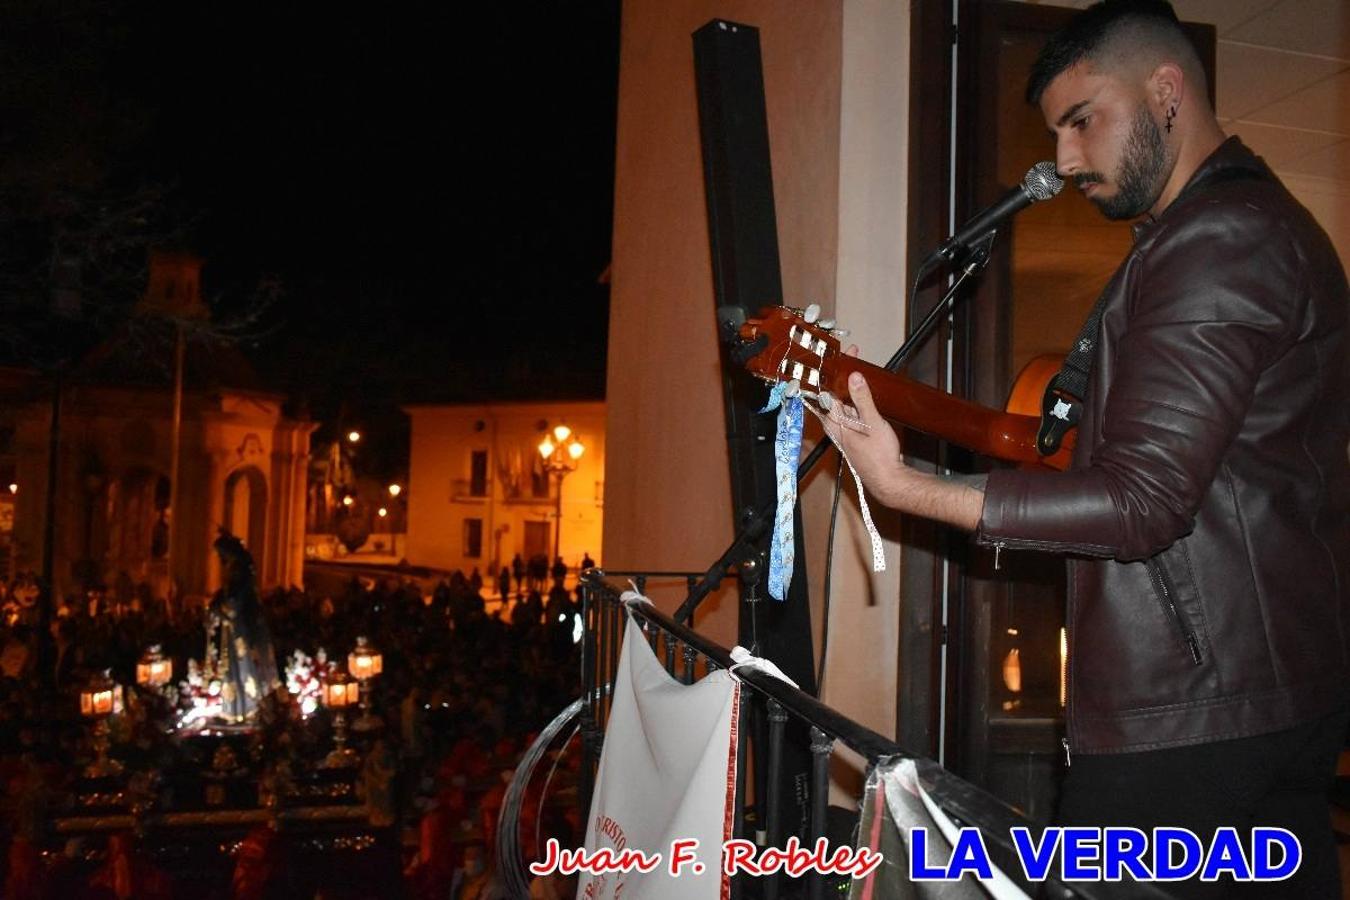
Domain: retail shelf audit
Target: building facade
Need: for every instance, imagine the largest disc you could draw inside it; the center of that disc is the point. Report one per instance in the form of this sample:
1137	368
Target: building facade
117	518
479	492
242	467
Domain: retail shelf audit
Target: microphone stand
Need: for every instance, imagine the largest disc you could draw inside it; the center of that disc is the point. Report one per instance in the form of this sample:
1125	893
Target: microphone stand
755	522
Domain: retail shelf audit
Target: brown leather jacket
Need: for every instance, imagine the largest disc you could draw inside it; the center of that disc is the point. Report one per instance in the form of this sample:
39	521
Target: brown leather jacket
1207	510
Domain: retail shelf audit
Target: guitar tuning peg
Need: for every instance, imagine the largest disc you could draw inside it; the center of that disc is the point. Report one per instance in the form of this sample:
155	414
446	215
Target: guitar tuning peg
827	324
793	388
811	313
825	399
840	333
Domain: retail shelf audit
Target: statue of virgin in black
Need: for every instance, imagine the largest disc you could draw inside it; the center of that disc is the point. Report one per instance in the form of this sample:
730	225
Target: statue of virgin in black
238	644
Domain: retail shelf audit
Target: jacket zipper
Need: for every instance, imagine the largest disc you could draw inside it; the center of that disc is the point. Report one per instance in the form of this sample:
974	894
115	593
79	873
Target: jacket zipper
1169	606
1001	544
1069	658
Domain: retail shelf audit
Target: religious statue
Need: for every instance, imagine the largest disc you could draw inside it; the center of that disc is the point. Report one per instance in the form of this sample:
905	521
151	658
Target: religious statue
238	644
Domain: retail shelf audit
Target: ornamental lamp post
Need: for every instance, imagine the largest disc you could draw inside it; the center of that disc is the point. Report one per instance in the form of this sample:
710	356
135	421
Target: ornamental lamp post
364	663
97	701
340	692
561	458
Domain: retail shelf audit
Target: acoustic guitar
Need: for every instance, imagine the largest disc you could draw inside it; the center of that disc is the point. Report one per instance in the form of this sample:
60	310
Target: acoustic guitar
794	349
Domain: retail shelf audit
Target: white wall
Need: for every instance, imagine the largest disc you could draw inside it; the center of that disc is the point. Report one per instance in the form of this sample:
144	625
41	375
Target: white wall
836	87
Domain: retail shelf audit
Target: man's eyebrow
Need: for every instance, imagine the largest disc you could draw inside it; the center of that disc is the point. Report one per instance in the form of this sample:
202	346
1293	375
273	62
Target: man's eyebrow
1071	112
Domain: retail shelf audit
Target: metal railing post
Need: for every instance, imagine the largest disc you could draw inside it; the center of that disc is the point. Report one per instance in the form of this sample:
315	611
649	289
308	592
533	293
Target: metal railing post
821	747
670	655
589	730
738	810
773	804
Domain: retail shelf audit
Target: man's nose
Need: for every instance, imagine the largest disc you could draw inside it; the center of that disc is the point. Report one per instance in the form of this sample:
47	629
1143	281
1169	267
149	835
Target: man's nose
1068	161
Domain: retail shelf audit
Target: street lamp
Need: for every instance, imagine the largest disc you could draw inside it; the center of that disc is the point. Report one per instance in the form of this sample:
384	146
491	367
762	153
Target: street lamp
562	454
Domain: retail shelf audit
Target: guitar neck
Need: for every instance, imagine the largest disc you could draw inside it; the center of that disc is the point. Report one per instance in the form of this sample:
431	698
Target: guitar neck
1002	435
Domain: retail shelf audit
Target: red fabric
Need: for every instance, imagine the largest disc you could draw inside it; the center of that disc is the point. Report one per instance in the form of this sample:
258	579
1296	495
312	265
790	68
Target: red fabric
126	874
26	878
259	863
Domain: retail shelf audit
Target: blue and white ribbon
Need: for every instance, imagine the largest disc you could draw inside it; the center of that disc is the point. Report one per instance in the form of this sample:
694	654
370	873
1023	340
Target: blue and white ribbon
787	450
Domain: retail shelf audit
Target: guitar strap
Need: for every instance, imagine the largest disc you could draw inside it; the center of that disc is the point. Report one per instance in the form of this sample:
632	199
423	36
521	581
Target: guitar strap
1062	402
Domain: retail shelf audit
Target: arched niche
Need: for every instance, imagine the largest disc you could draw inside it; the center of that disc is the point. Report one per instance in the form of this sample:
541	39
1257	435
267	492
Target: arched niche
246	507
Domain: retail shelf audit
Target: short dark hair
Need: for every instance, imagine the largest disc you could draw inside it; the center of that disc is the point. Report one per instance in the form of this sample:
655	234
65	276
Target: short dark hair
1089	32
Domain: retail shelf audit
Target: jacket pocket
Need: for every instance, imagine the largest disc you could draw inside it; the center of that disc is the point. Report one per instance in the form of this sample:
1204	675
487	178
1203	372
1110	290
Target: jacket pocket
1166	592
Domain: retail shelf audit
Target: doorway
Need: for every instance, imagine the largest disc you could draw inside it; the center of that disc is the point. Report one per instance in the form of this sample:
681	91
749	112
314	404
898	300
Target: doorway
536	539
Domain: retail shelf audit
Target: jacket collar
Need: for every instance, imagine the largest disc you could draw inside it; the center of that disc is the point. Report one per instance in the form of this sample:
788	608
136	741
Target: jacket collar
1232	158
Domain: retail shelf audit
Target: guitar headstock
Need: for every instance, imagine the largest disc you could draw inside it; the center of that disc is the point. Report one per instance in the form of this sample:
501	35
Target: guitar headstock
794	349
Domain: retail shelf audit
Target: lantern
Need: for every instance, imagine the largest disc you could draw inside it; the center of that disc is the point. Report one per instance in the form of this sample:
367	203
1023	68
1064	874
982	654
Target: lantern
153	670
340	692
98	700
364	663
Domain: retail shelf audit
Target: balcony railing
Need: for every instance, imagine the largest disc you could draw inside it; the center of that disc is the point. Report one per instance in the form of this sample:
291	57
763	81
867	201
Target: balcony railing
462	489
687	655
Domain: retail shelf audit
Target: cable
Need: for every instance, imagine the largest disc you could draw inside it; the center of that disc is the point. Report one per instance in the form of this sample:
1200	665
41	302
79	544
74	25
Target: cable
892	365
543	792
829	572
509	863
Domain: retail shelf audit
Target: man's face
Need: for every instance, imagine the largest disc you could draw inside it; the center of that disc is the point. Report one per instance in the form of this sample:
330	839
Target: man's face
1106	140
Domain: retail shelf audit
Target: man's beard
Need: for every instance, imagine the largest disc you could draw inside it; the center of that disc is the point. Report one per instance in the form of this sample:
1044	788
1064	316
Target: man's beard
1143	168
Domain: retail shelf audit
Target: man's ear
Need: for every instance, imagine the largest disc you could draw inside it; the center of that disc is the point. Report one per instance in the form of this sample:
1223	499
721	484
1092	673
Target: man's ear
1167	86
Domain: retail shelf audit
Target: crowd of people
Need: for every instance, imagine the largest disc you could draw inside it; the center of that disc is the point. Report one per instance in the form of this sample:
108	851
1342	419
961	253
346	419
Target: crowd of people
463	691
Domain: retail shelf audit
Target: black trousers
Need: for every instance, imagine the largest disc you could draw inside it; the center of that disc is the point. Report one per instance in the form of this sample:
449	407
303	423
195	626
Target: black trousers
1278	780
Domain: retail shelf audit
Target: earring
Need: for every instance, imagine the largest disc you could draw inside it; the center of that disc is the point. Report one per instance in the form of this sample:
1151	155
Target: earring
1171	114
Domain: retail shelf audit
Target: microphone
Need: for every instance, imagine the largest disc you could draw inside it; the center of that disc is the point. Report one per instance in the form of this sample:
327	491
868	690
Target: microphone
1040	183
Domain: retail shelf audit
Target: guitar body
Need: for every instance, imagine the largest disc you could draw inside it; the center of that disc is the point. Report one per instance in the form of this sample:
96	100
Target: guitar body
1029	388
794	349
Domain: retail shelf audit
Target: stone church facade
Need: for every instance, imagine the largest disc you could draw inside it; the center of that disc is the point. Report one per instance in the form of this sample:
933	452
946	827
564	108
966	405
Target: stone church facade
242	465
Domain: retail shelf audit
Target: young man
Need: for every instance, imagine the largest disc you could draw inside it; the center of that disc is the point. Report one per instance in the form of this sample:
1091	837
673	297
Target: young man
1206	516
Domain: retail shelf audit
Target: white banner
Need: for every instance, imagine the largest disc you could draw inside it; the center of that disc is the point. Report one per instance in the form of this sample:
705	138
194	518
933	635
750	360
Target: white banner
896	807
667	778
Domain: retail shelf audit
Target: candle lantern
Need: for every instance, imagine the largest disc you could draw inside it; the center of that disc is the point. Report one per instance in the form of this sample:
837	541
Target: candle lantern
97	703
154	670
340	692
364	663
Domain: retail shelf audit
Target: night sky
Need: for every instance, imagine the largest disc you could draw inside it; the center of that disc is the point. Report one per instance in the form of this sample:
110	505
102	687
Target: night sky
430	186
